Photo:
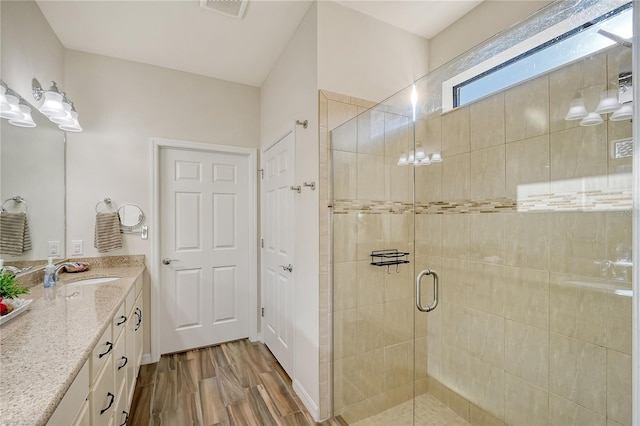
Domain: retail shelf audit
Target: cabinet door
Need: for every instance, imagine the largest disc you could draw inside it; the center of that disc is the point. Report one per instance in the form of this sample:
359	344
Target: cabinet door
103	396
130	349
139	329
120	361
121	414
84	416
73	400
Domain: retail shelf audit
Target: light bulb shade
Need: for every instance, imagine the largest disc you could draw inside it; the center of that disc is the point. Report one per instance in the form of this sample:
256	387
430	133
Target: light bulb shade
425	161
420	154
75	128
436	158
593	119
608	102
4	104
624	113
66	119
402	161
26	120
577	110
52	106
11	110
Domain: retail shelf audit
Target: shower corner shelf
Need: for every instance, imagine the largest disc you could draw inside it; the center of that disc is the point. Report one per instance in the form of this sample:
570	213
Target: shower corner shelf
389	257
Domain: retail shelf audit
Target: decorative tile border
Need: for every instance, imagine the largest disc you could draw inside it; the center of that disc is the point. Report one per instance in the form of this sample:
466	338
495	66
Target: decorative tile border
584	201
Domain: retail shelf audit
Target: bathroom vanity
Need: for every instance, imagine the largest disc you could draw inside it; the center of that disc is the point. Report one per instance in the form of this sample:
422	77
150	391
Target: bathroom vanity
74	360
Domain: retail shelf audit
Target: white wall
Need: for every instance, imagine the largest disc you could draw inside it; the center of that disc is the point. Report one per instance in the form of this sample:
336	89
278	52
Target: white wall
481	23
30	48
366	58
290	93
122	104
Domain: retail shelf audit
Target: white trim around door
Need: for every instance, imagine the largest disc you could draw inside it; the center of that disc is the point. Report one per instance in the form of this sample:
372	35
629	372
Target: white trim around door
156	145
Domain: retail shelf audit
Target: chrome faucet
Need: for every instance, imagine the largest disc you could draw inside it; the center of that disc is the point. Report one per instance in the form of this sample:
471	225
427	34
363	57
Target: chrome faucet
14	270
62	265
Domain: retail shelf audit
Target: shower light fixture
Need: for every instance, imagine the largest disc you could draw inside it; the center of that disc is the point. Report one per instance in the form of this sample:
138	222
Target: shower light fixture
617	102
56	106
419	159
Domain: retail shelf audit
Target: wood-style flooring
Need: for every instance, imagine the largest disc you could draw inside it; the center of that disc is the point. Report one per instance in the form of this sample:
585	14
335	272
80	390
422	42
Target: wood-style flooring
235	383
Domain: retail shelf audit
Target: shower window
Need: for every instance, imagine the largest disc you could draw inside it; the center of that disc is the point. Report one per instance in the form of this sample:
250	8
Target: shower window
579	42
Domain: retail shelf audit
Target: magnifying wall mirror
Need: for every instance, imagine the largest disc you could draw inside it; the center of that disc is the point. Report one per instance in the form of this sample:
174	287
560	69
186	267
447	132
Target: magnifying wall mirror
131	216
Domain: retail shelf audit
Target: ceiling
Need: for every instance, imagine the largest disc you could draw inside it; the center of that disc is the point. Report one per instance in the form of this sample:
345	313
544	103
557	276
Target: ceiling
179	34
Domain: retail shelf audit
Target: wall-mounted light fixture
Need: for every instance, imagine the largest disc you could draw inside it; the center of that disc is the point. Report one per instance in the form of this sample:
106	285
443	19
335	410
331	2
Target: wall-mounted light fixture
14	108
617	102
56	106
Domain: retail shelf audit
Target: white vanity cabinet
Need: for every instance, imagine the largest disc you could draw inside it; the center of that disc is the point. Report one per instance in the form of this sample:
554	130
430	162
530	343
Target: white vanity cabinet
102	392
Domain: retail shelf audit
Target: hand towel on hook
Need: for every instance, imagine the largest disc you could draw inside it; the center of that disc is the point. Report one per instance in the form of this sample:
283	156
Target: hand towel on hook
15	238
107	234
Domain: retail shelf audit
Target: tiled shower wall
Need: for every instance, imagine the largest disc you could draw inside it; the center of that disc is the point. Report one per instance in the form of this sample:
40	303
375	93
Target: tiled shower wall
528	222
334	109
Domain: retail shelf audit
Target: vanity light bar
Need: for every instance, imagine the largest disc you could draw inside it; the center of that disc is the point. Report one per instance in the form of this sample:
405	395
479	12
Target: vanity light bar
57	107
14	108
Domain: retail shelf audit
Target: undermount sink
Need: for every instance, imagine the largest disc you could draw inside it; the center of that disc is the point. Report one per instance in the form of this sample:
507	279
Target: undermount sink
91	281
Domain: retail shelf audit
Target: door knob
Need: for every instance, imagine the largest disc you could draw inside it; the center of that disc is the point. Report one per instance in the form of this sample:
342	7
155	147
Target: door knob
167	261
289	267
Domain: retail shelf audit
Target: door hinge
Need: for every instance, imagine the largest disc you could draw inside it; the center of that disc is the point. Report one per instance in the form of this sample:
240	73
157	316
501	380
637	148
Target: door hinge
261	173
262	311
262	242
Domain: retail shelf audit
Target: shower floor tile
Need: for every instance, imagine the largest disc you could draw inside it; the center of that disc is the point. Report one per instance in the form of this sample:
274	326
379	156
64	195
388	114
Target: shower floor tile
429	412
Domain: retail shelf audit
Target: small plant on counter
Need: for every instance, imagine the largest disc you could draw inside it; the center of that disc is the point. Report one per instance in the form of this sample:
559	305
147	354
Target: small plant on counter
9	286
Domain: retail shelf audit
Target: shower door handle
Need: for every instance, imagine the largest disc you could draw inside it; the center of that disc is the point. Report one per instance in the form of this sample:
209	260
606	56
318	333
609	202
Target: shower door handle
433	305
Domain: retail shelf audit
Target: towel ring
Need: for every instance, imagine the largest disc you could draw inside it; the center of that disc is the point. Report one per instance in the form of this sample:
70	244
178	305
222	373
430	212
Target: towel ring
17	200
107	202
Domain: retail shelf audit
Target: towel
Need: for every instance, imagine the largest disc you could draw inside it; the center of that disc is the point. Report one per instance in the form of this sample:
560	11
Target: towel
14	233
107	235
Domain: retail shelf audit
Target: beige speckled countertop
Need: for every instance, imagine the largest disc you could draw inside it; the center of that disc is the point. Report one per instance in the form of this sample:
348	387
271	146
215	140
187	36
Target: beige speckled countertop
43	349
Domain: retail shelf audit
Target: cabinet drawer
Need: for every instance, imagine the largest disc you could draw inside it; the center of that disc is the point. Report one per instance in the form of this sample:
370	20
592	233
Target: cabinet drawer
119	322
120	361
100	353
103	395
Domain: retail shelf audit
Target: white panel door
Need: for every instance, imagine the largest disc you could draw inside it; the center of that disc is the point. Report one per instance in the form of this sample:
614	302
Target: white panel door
204	243
277	252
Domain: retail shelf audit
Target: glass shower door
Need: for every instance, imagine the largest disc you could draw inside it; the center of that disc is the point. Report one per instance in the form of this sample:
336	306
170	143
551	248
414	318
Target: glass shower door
528	222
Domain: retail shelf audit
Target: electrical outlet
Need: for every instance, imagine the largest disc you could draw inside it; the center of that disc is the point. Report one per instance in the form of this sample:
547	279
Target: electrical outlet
54	248
76	247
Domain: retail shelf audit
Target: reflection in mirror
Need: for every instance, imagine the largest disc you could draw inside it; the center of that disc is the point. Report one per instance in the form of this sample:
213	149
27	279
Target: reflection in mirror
32	166
131	215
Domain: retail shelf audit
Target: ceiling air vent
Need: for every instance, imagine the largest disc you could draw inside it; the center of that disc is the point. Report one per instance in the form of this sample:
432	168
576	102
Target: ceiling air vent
233	8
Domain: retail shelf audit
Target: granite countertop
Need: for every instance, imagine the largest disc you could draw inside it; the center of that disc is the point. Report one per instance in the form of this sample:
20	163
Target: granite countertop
43	349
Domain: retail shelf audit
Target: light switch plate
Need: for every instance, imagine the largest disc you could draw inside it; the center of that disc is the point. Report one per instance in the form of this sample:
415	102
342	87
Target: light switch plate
76	248
54	248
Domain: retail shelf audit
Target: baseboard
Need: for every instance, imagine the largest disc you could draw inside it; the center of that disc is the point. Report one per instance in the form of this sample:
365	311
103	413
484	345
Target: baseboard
146	359
306	400
256	338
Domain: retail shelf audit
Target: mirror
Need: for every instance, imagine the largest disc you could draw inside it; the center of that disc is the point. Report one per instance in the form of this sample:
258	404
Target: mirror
32	166
131	215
